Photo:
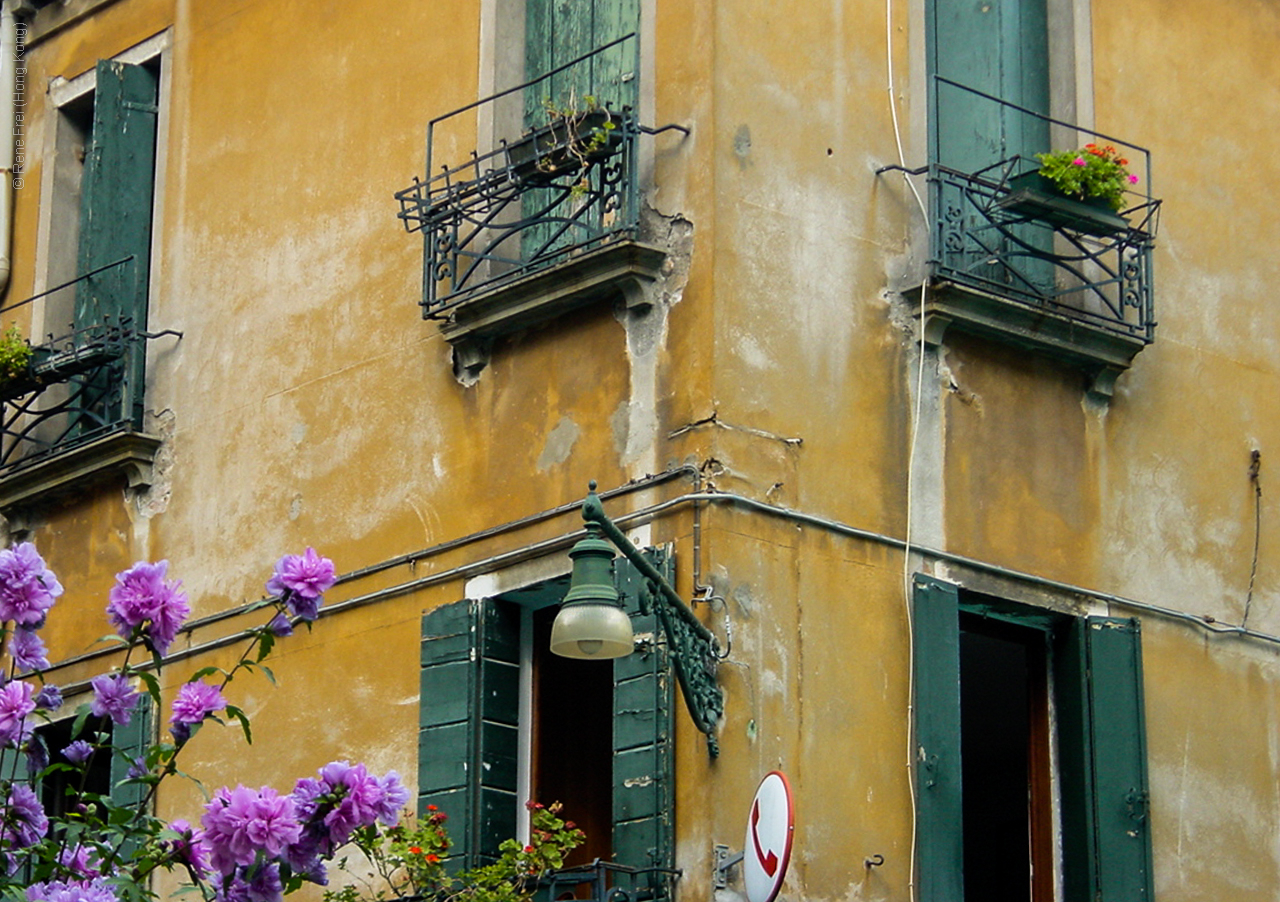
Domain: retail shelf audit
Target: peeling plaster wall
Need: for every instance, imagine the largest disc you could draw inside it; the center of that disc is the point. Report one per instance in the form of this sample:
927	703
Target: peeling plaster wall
307	403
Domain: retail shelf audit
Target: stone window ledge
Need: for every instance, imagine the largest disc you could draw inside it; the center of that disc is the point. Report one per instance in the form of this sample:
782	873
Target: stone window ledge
1102	354
126	453
619	269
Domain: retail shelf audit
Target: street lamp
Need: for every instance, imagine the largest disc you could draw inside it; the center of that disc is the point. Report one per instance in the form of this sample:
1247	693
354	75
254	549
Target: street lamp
591	623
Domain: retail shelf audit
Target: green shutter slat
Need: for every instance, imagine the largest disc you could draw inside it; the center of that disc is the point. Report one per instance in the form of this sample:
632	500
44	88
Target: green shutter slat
116	190
642	763
467	743
116	198
1075	761
441	683
442	756
131	742
1120	795
939	797
1106	833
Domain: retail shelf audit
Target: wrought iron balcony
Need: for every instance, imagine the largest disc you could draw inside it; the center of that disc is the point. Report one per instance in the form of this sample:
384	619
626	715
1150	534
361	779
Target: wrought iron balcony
78	409
1010	258
606	881
554	186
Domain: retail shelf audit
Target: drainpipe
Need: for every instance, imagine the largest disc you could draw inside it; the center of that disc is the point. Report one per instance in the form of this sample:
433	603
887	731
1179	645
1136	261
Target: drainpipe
8	48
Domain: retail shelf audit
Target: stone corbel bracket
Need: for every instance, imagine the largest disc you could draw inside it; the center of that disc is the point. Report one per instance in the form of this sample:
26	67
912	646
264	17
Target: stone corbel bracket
618	269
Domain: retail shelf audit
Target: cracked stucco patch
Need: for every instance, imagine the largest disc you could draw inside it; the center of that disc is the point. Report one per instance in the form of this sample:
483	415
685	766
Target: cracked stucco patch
560	441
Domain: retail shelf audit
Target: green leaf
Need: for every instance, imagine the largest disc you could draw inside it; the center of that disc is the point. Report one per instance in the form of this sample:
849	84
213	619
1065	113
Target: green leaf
238	714
77	725
153	685
204	672
266	642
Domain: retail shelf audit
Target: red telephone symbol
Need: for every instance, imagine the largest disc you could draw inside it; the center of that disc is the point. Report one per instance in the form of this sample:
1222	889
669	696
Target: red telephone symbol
770	861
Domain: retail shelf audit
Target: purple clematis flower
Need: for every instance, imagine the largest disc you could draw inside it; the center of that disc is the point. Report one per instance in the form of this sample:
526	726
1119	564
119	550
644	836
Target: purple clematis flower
28	649
78	752
113	697
195	702
301	580
27	587
143	599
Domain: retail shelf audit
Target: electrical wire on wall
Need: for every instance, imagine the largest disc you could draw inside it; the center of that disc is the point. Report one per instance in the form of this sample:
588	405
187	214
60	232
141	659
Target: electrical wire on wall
1255	468
911	458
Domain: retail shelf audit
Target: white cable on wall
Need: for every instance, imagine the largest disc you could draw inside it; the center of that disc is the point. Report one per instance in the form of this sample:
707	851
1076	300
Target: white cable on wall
911	456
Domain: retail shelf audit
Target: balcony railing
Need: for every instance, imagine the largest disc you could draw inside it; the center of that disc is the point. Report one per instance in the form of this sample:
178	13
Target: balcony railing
82	385
553	176
1027	264
605	881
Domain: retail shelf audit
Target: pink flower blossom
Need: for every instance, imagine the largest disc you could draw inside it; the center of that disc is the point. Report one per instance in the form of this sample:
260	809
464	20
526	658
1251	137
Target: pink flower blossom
143	598
15	706
113	697
1133	179
27	587
241	822
28	650
195	702
1078	161
302	579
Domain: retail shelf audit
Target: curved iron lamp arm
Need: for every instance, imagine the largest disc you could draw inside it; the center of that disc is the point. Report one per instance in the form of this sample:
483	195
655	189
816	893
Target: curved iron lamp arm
694	649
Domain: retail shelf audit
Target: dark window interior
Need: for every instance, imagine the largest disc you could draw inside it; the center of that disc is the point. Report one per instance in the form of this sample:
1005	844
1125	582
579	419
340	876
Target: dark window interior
573	739
1008	851
96	780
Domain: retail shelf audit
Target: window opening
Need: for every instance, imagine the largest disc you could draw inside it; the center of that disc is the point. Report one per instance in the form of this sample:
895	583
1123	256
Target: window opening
1004	753
60	788
572	741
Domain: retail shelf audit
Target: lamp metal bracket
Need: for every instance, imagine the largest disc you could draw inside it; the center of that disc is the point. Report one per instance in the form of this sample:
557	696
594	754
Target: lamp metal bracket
694	650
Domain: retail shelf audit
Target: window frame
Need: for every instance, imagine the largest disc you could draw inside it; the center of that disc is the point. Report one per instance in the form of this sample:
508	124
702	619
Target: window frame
476	737
68	465
1099	749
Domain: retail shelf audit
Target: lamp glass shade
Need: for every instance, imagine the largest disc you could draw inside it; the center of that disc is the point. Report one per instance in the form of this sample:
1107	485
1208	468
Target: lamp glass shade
585	630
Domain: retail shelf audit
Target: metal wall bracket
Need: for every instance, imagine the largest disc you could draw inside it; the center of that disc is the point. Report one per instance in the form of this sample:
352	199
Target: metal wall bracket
695	652
721	862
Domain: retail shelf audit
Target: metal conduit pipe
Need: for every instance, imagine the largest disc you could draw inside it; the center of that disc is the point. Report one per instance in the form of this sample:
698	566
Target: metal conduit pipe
638	517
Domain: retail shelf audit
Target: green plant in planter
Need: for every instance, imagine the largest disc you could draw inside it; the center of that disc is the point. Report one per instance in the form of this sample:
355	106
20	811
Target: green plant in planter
573	136
409	861
590	122
15	356
1088	173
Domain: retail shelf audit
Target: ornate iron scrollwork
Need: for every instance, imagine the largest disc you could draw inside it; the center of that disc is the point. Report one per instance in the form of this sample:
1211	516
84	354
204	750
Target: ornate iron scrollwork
694	649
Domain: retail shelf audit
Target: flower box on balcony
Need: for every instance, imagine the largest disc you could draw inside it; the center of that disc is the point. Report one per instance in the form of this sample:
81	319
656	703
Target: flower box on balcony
1036	197
564	145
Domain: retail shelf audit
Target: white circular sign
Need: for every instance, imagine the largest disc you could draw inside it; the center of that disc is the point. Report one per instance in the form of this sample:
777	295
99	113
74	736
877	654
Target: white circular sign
767	850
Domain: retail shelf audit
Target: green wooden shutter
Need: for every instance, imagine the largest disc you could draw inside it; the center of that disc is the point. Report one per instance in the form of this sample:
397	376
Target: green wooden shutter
642	764
1001	48
131	742
116	194
1106	819
556	32
939	798
468	729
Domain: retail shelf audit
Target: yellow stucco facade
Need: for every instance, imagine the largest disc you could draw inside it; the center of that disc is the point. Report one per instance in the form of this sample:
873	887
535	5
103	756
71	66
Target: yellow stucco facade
777	363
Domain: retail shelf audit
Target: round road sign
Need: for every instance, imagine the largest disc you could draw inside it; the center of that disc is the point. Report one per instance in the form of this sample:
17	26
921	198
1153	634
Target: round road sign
767	849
